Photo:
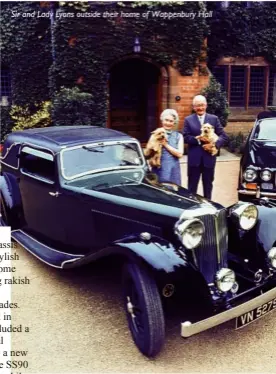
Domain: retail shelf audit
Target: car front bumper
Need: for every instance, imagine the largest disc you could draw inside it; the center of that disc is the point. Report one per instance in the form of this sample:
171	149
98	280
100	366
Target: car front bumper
189	329
257	193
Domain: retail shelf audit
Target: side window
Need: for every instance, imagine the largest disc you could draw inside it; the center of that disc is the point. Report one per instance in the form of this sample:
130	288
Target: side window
38	164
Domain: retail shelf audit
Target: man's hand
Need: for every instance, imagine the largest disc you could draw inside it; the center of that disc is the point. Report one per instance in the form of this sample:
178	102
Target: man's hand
208	147
203	139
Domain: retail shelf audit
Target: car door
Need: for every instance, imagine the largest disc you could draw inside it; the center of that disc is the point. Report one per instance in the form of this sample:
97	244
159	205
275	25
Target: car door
39	189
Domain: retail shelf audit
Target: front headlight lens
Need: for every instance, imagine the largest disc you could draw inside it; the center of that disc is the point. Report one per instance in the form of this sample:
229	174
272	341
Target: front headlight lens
225	279
190	232
272	257
247	215
266	175
250	175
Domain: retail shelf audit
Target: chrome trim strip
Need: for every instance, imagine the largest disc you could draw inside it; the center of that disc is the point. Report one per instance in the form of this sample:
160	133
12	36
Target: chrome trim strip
217	239
254	193
48	181
7	151
9	166
39	258
35	152
20	149
124	218
168	191
104	169
44	245
189	329
69	261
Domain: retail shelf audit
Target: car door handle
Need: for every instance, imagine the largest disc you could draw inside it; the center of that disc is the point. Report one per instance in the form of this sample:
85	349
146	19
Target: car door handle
54	194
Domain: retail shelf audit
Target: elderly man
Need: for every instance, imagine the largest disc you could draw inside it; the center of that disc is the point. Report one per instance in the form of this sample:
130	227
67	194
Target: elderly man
200	158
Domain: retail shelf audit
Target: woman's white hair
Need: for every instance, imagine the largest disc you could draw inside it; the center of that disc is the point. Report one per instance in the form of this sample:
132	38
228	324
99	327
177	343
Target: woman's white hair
170	112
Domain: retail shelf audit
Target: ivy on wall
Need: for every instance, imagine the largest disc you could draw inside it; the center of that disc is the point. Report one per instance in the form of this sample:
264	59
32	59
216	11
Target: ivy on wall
26	50
243	31
85	48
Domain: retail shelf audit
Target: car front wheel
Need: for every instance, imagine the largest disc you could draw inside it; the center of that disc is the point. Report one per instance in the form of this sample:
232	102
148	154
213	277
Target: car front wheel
144	309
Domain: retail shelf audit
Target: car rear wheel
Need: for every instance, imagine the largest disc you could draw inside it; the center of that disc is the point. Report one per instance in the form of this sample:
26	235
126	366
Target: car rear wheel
144	309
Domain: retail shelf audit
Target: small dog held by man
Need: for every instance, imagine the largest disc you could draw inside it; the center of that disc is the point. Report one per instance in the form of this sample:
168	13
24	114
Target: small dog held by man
208	135
153	148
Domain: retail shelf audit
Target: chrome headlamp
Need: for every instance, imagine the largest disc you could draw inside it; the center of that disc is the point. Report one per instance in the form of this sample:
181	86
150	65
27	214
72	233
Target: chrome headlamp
190	232
225	279
250	175
247	215
272	257
266	175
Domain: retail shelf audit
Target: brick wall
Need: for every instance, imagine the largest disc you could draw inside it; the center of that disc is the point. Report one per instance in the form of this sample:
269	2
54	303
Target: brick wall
186	87
236	127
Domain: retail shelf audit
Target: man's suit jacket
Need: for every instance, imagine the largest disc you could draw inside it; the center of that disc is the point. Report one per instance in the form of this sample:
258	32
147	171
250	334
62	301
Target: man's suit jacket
192	128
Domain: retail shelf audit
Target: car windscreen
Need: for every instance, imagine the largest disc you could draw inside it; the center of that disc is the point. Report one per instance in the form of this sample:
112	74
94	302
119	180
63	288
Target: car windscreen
265	130
88	159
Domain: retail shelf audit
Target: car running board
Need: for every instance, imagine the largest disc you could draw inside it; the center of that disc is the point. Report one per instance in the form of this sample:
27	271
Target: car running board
44	253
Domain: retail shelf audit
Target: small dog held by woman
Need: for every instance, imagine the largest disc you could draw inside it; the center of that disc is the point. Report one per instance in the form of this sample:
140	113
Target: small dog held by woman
208	135
153	148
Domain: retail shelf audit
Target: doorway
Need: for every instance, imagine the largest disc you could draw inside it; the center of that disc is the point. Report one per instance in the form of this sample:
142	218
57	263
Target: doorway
135	88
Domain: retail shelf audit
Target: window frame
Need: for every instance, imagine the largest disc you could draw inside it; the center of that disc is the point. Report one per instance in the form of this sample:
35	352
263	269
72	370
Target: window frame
5	94
43	155
229	62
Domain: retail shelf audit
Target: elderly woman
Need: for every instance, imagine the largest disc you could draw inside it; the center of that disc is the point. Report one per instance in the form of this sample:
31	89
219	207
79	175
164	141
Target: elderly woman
172	150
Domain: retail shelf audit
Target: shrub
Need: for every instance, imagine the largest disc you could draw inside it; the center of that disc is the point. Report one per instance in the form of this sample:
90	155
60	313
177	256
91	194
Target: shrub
6	122
217	101
25	117
72	107
236	142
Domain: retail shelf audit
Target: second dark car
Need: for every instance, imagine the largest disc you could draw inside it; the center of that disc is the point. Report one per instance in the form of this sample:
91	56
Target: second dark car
258	164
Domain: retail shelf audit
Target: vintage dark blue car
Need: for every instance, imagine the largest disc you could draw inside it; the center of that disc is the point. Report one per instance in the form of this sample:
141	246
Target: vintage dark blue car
258	163
73	195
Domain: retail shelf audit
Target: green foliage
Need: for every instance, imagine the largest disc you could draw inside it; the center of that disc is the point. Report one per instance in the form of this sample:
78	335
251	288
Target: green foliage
236	142
26	49
87	50
25	117
243	31
6	122
72	107
217	101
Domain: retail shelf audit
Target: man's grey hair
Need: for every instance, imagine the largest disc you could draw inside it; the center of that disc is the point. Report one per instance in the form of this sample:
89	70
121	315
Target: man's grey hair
199	98
170	112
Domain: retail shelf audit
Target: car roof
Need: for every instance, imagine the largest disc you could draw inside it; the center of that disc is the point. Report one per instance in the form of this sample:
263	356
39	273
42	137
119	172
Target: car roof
266	114
57	137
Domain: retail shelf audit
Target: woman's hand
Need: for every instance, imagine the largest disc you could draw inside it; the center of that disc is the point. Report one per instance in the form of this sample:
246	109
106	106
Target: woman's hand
164	142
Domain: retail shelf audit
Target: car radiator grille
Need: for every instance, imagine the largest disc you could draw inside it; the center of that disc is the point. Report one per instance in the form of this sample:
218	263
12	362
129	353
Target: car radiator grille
212	253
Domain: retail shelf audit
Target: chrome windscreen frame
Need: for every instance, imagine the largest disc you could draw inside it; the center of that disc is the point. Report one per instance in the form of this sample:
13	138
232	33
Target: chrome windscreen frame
102	169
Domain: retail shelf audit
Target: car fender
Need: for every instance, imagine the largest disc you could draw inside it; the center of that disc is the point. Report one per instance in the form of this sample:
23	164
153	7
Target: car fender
266	227
160	256
10	190
156	252
6	191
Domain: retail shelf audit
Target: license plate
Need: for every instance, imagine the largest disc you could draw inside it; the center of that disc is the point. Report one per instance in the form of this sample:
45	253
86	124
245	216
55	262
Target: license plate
255	314
267	186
